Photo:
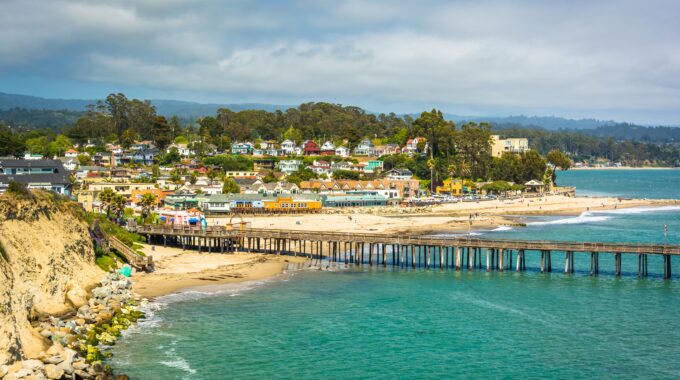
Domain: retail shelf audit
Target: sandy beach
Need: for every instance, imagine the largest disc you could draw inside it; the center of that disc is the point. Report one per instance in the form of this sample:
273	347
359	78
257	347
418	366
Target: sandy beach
455	217
178	270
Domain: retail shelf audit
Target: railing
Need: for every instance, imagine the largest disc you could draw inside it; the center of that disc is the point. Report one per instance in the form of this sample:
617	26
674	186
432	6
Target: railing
226	232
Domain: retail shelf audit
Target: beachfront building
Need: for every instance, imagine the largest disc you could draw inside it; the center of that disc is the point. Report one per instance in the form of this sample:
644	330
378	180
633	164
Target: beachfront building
289	166
35	174
511	145
387	188
535	186
264	164
366	199
451	186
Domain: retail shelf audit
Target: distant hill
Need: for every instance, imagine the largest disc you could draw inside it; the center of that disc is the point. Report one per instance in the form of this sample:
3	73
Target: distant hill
546	122
185	110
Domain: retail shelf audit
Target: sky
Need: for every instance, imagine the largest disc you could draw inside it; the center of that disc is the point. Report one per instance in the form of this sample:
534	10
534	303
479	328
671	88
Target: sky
611	60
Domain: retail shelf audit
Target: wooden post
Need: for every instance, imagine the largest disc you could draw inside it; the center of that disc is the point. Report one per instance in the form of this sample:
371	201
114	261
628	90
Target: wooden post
457	258
617	263
502	260
488	259
413	257
667	267
594	263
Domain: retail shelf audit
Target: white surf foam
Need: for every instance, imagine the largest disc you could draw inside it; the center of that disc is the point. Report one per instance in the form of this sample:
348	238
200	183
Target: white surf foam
176	361
640	210
502	228
585	217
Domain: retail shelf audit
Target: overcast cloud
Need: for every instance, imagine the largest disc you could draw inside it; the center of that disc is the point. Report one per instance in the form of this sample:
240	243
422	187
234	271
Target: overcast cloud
604	59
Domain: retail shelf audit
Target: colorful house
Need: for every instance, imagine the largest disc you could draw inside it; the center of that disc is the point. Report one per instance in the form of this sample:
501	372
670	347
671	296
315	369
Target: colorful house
310	148
451	186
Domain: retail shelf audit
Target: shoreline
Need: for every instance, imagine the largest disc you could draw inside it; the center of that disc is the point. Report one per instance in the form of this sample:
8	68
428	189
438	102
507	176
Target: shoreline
179	271
628	168
453	217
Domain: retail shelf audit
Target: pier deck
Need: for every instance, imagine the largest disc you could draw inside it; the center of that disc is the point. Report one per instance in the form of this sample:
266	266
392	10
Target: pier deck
455	252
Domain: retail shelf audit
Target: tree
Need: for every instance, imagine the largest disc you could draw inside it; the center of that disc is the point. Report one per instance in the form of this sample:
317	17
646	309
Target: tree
147	201
294	135
474	145
171	157
118	205
11	143
346	174
558	159
117	106
192	178
212	174
532	166
269	178
230	186
161	132
106	198
129	137
84	160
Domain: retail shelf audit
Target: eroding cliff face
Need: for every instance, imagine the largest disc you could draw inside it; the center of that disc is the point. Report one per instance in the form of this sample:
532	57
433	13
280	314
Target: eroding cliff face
46	267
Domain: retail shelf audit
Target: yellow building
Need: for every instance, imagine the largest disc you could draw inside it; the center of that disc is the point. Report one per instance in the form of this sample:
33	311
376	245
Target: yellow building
288	204
511	145
452	186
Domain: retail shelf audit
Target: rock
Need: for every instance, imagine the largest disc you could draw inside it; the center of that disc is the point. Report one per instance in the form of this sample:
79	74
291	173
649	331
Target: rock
80	321
53	372
33	365
76	296
121	377
67	364
20	374
46	333
3	370
80	365
83	374
55	349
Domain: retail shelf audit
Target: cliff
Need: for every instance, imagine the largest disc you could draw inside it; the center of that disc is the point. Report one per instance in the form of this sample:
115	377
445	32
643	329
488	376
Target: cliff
47	266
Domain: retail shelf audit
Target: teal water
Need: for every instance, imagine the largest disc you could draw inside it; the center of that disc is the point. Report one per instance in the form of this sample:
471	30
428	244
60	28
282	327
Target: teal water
396	323
661	183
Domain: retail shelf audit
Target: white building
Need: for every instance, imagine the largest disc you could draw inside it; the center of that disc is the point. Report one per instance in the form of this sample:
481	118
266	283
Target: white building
289	166
342	151
288	147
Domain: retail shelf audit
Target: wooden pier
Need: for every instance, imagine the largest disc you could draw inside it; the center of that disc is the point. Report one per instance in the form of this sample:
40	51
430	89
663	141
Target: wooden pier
404	250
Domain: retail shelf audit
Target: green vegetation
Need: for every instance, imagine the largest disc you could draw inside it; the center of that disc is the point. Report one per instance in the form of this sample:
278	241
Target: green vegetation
19	190
230	186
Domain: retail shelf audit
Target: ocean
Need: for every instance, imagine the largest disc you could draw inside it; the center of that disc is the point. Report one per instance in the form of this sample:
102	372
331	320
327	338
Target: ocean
395	323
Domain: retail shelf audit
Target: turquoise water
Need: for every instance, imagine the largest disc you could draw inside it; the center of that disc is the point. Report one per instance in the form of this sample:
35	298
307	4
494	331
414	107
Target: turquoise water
661	183
394	323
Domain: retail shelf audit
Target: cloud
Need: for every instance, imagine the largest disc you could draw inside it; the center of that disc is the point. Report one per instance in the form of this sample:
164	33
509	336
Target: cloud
609	59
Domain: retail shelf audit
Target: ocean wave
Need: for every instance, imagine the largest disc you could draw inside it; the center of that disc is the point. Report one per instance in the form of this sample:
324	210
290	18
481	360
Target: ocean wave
585	217
640	210
502	228
176	361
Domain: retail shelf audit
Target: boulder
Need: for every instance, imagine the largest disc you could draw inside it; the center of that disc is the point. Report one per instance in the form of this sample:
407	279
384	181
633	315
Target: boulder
53	372
33	365
3	370
67	364
55	349
76	296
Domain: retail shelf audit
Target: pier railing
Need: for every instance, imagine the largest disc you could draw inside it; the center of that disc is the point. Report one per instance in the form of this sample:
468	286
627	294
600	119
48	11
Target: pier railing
403	239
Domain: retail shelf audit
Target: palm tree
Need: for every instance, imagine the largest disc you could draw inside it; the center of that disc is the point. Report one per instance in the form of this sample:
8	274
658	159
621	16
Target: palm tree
106	197
463	169
431	164
118	204
147	202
